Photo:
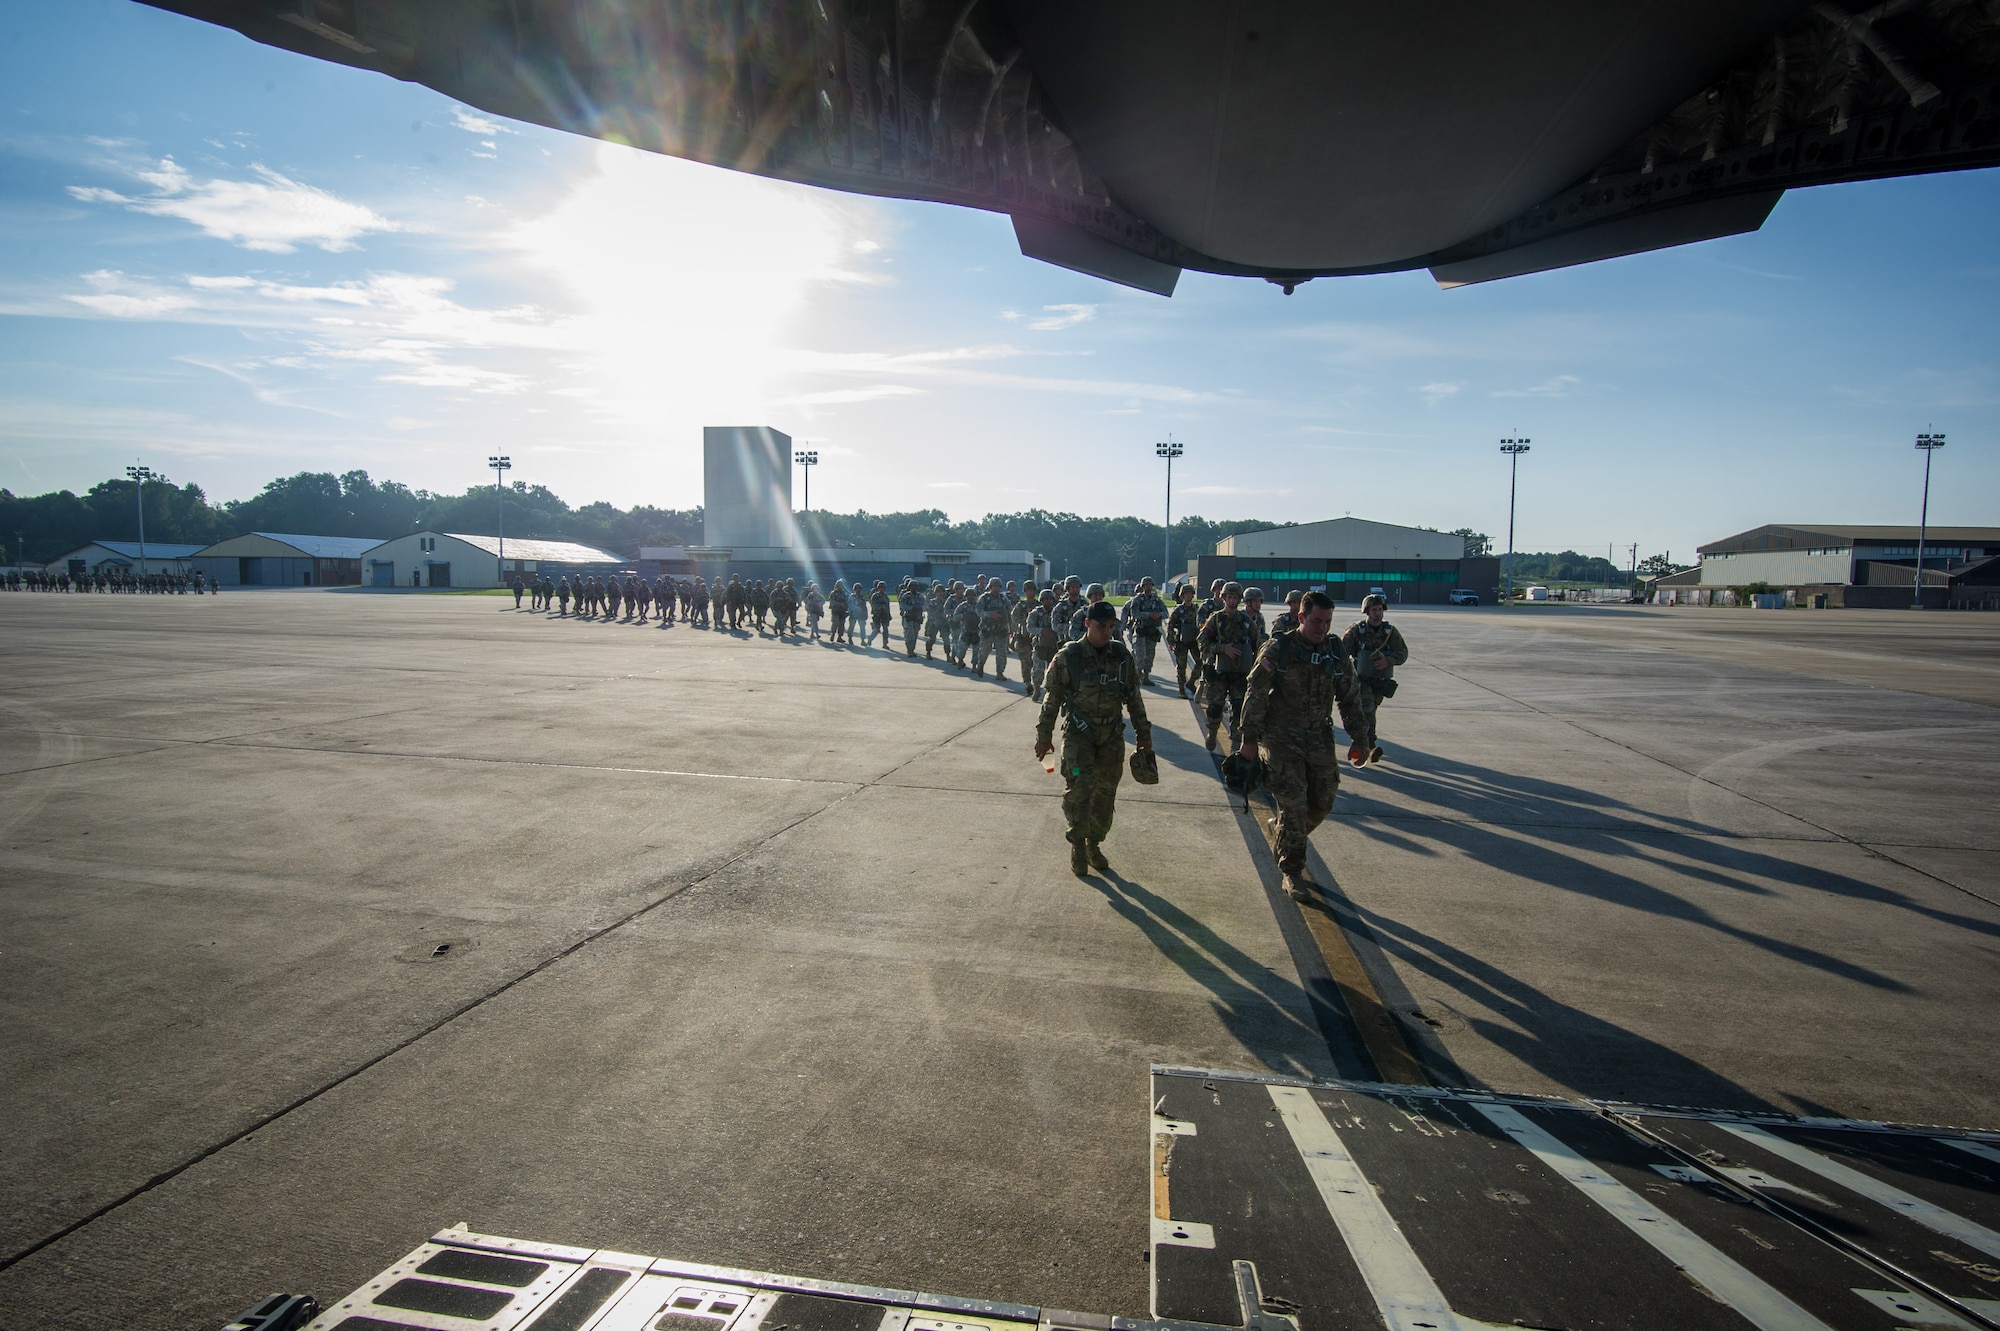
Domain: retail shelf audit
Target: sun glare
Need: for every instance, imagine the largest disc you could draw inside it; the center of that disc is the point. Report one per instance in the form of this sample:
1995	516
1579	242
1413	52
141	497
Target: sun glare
685	279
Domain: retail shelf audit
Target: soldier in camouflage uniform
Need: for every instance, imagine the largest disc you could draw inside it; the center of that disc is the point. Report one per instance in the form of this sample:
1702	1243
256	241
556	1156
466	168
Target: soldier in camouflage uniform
965	638
1253	606
1213	603
878	609
1091	684
910	605
784	604
836	609
1183	632
992	632
1092	595
1288	618
1146	621
1018	610
1228	646
1070	604
934	620
1045	637
1300	677
1376	649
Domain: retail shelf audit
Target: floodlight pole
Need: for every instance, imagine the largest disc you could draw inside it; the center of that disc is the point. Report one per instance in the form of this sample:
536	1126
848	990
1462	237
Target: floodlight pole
1513	448
808	458
140	475
1927	444
1168	450
500	465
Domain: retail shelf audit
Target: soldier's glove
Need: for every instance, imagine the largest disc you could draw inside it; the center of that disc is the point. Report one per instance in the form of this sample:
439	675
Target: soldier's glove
1356	754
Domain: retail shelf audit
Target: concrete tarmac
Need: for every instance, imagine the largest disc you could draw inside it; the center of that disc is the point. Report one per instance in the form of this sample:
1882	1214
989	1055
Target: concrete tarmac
330	919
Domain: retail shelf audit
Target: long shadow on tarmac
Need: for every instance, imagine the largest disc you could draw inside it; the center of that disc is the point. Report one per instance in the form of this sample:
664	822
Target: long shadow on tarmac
1513	824
1543	1032
1260	1008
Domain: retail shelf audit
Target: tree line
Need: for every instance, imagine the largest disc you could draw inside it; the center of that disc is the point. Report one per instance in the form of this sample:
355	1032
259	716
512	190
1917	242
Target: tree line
353	503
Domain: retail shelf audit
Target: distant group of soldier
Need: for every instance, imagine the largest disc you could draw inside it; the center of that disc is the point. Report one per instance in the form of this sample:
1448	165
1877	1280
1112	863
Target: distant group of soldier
1277	686
110	580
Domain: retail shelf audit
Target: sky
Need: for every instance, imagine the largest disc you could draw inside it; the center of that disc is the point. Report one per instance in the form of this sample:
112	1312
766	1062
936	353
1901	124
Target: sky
233	263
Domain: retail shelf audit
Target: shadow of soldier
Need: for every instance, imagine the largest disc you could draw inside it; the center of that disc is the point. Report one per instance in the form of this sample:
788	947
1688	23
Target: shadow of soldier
1266	1013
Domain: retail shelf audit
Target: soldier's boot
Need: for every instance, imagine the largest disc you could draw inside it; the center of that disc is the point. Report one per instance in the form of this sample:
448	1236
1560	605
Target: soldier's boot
1079	860
1375	754
1296	886
1095	853
1214	724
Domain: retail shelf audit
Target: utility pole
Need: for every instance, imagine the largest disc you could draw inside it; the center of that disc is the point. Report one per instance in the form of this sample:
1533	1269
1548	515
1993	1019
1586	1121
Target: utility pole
1927	444
500	467
808	458
1513	448
140	475
1169	450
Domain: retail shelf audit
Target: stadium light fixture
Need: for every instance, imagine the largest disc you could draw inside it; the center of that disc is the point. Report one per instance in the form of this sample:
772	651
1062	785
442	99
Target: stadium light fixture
1168	450
140	475
501	465
1927	444
1513	448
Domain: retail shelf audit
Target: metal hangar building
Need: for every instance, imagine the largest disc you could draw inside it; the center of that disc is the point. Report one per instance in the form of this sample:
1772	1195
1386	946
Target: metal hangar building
1347	558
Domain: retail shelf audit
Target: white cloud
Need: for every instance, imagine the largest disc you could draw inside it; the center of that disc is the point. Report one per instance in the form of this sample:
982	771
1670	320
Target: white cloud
1437	392
121	298
1562	385
835	396
476	124
273	213
948	485
1063	316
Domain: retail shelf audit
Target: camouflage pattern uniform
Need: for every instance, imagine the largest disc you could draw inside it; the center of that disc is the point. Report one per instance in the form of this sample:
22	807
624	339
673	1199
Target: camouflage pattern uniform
1145	619
1018	610
1091	688
878	607
836	605
1292	691
1366	644
934	619
1226	628
1183	632
992	633
966	640
1045	637
910	603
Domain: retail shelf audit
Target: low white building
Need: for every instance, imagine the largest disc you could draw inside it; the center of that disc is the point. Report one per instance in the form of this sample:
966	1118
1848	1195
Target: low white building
444	559
123	556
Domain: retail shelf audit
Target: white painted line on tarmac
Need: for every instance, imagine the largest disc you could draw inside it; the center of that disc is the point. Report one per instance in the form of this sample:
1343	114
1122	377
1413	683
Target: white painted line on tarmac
1714	1270
1928	1214
1409	1300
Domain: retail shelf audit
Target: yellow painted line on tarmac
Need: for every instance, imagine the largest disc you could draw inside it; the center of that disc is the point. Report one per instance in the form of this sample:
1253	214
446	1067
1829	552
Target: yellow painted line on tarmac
1380	1031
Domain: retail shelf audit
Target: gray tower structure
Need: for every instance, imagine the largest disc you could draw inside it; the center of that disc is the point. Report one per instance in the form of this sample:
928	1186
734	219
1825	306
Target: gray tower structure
746	486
